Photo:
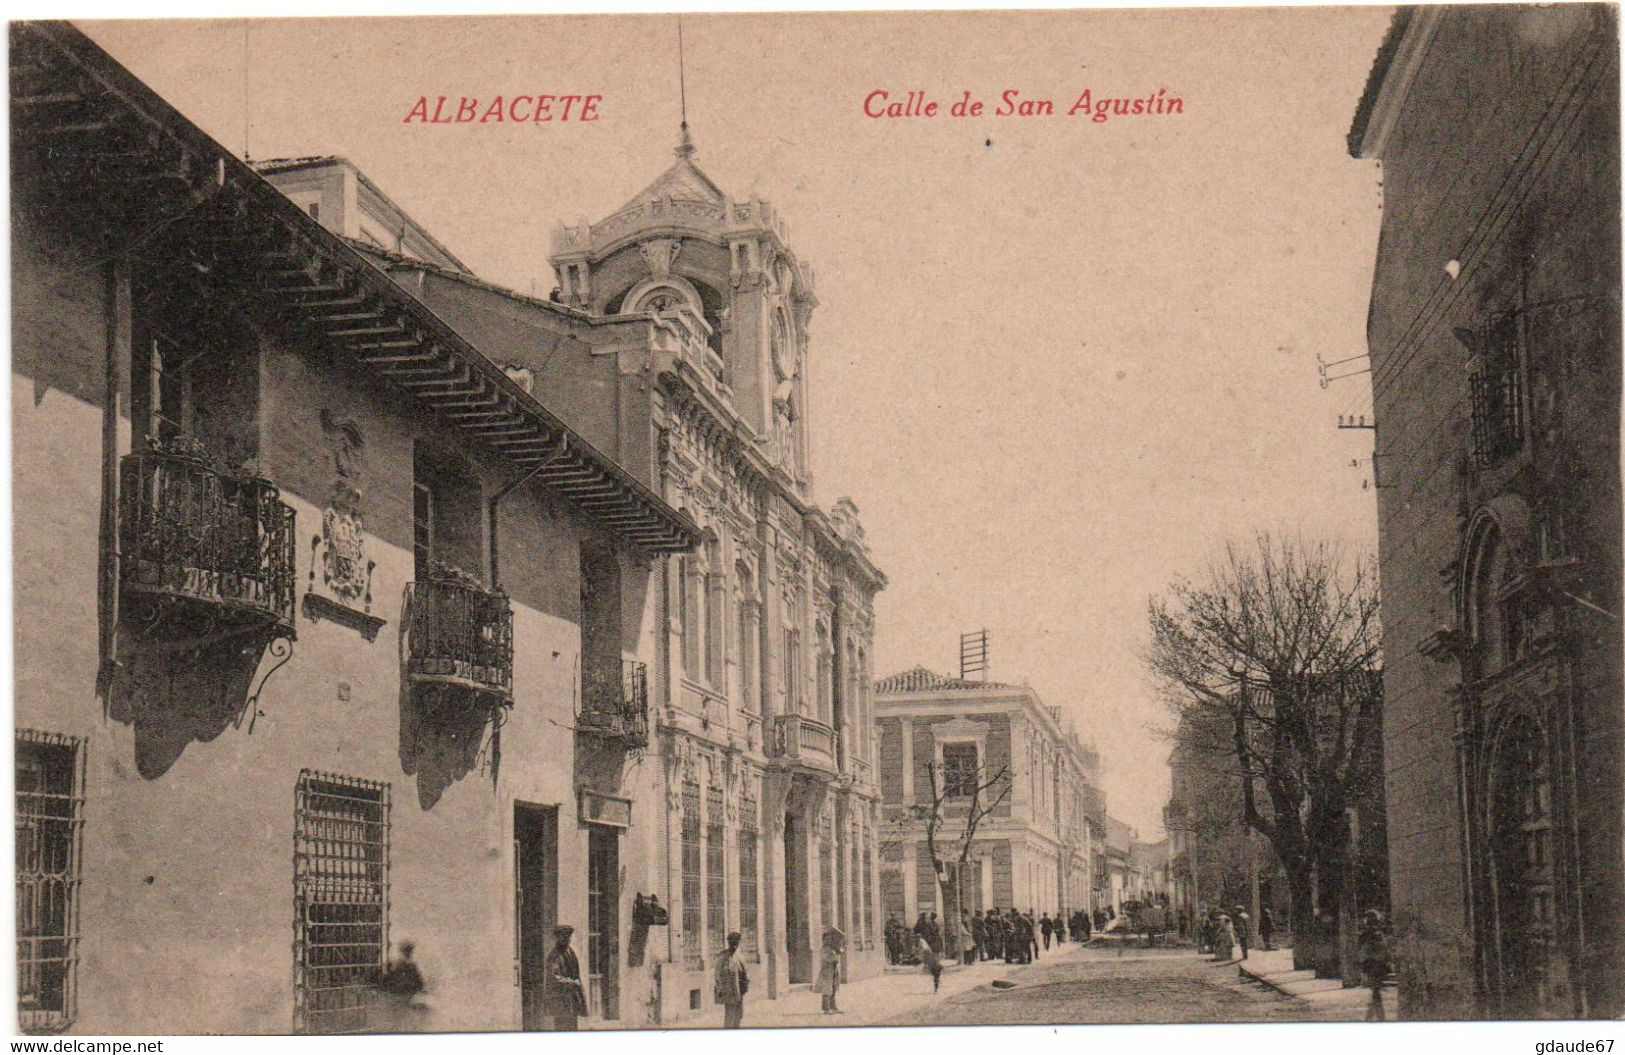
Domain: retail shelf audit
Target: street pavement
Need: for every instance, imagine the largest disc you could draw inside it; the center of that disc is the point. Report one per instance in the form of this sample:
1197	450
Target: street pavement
1080	984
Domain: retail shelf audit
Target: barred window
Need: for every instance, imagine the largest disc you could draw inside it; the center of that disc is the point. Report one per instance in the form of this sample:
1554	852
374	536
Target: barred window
49	824
855	885
826	874
1496	380
868	893
691	873
341	900
716	875
747	878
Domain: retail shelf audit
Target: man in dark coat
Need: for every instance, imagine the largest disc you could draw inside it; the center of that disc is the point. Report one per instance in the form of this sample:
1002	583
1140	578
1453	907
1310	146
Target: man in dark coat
562	994
1374	956
1046	927
1266	928
933	934
732	982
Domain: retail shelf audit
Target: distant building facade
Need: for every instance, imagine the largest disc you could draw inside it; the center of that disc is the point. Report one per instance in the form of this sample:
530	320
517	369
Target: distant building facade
1495	362
1035	850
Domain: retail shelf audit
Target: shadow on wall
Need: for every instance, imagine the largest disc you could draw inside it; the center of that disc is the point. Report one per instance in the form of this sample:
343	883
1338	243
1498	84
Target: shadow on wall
178	689
442	728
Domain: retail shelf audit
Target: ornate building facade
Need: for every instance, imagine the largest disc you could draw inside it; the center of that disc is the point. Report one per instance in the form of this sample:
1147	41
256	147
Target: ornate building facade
763	723
1495	363
677	344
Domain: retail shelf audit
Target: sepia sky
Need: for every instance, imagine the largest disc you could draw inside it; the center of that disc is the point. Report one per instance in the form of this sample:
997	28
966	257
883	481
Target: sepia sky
1056	363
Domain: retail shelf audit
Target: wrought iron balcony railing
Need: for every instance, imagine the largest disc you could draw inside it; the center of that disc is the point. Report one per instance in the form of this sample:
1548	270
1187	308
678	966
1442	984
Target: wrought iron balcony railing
213	540
797	738
462	634
616	706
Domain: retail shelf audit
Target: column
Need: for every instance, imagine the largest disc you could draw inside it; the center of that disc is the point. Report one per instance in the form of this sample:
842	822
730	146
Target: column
907	725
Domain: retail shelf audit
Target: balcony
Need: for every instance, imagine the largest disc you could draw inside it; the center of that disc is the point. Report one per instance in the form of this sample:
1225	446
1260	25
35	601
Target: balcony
462	634
616	706
800	740
199	539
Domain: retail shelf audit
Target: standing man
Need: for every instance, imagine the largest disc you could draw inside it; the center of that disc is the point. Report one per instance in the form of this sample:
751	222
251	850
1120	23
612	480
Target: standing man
829	969
1244	930
732	982
1030	925
1266	928
1373	955
967	929
1046	926
562	993
978	935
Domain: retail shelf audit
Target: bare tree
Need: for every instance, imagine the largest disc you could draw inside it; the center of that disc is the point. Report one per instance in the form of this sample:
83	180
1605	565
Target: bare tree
1272	665
956	807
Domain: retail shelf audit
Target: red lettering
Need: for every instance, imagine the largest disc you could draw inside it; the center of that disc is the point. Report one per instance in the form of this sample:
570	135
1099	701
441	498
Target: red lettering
465	109
420	111
513	108
569	101
589	107
870	97
544	108
440	104
494	108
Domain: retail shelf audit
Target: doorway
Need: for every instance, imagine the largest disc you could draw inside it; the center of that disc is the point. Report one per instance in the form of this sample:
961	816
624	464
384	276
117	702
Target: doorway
603	921
536	902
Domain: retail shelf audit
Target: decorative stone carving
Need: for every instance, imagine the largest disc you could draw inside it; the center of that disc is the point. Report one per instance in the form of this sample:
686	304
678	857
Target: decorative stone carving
660	254
343	591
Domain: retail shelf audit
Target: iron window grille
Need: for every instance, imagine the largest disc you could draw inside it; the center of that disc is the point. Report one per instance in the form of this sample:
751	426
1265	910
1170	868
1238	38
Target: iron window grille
1496	381
690	839
716	876
826	876
868	893
341	900
50	805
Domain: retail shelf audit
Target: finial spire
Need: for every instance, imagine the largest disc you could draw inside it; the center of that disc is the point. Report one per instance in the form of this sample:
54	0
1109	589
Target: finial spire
685	147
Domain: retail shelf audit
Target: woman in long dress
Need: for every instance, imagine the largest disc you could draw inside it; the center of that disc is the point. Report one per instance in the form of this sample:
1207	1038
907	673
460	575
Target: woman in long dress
1225	942
829	969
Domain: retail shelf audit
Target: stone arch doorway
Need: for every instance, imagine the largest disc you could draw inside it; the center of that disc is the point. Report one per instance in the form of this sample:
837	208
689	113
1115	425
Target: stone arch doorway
1523	873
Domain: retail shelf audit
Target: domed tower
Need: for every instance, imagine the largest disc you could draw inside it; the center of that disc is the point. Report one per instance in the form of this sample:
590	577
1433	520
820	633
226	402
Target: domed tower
721	274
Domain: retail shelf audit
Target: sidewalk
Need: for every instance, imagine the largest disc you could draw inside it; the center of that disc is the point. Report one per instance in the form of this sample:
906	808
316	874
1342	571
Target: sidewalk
870	1001
1274	969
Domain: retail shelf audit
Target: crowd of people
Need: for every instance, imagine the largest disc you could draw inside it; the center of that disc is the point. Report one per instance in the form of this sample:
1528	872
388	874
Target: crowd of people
1014	937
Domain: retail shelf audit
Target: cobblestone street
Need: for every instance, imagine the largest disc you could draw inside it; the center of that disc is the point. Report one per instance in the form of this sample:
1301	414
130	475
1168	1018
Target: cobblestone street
1137	987
1079	985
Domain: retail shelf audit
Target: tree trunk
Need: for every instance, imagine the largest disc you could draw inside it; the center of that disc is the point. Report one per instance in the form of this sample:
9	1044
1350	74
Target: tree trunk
1305	928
